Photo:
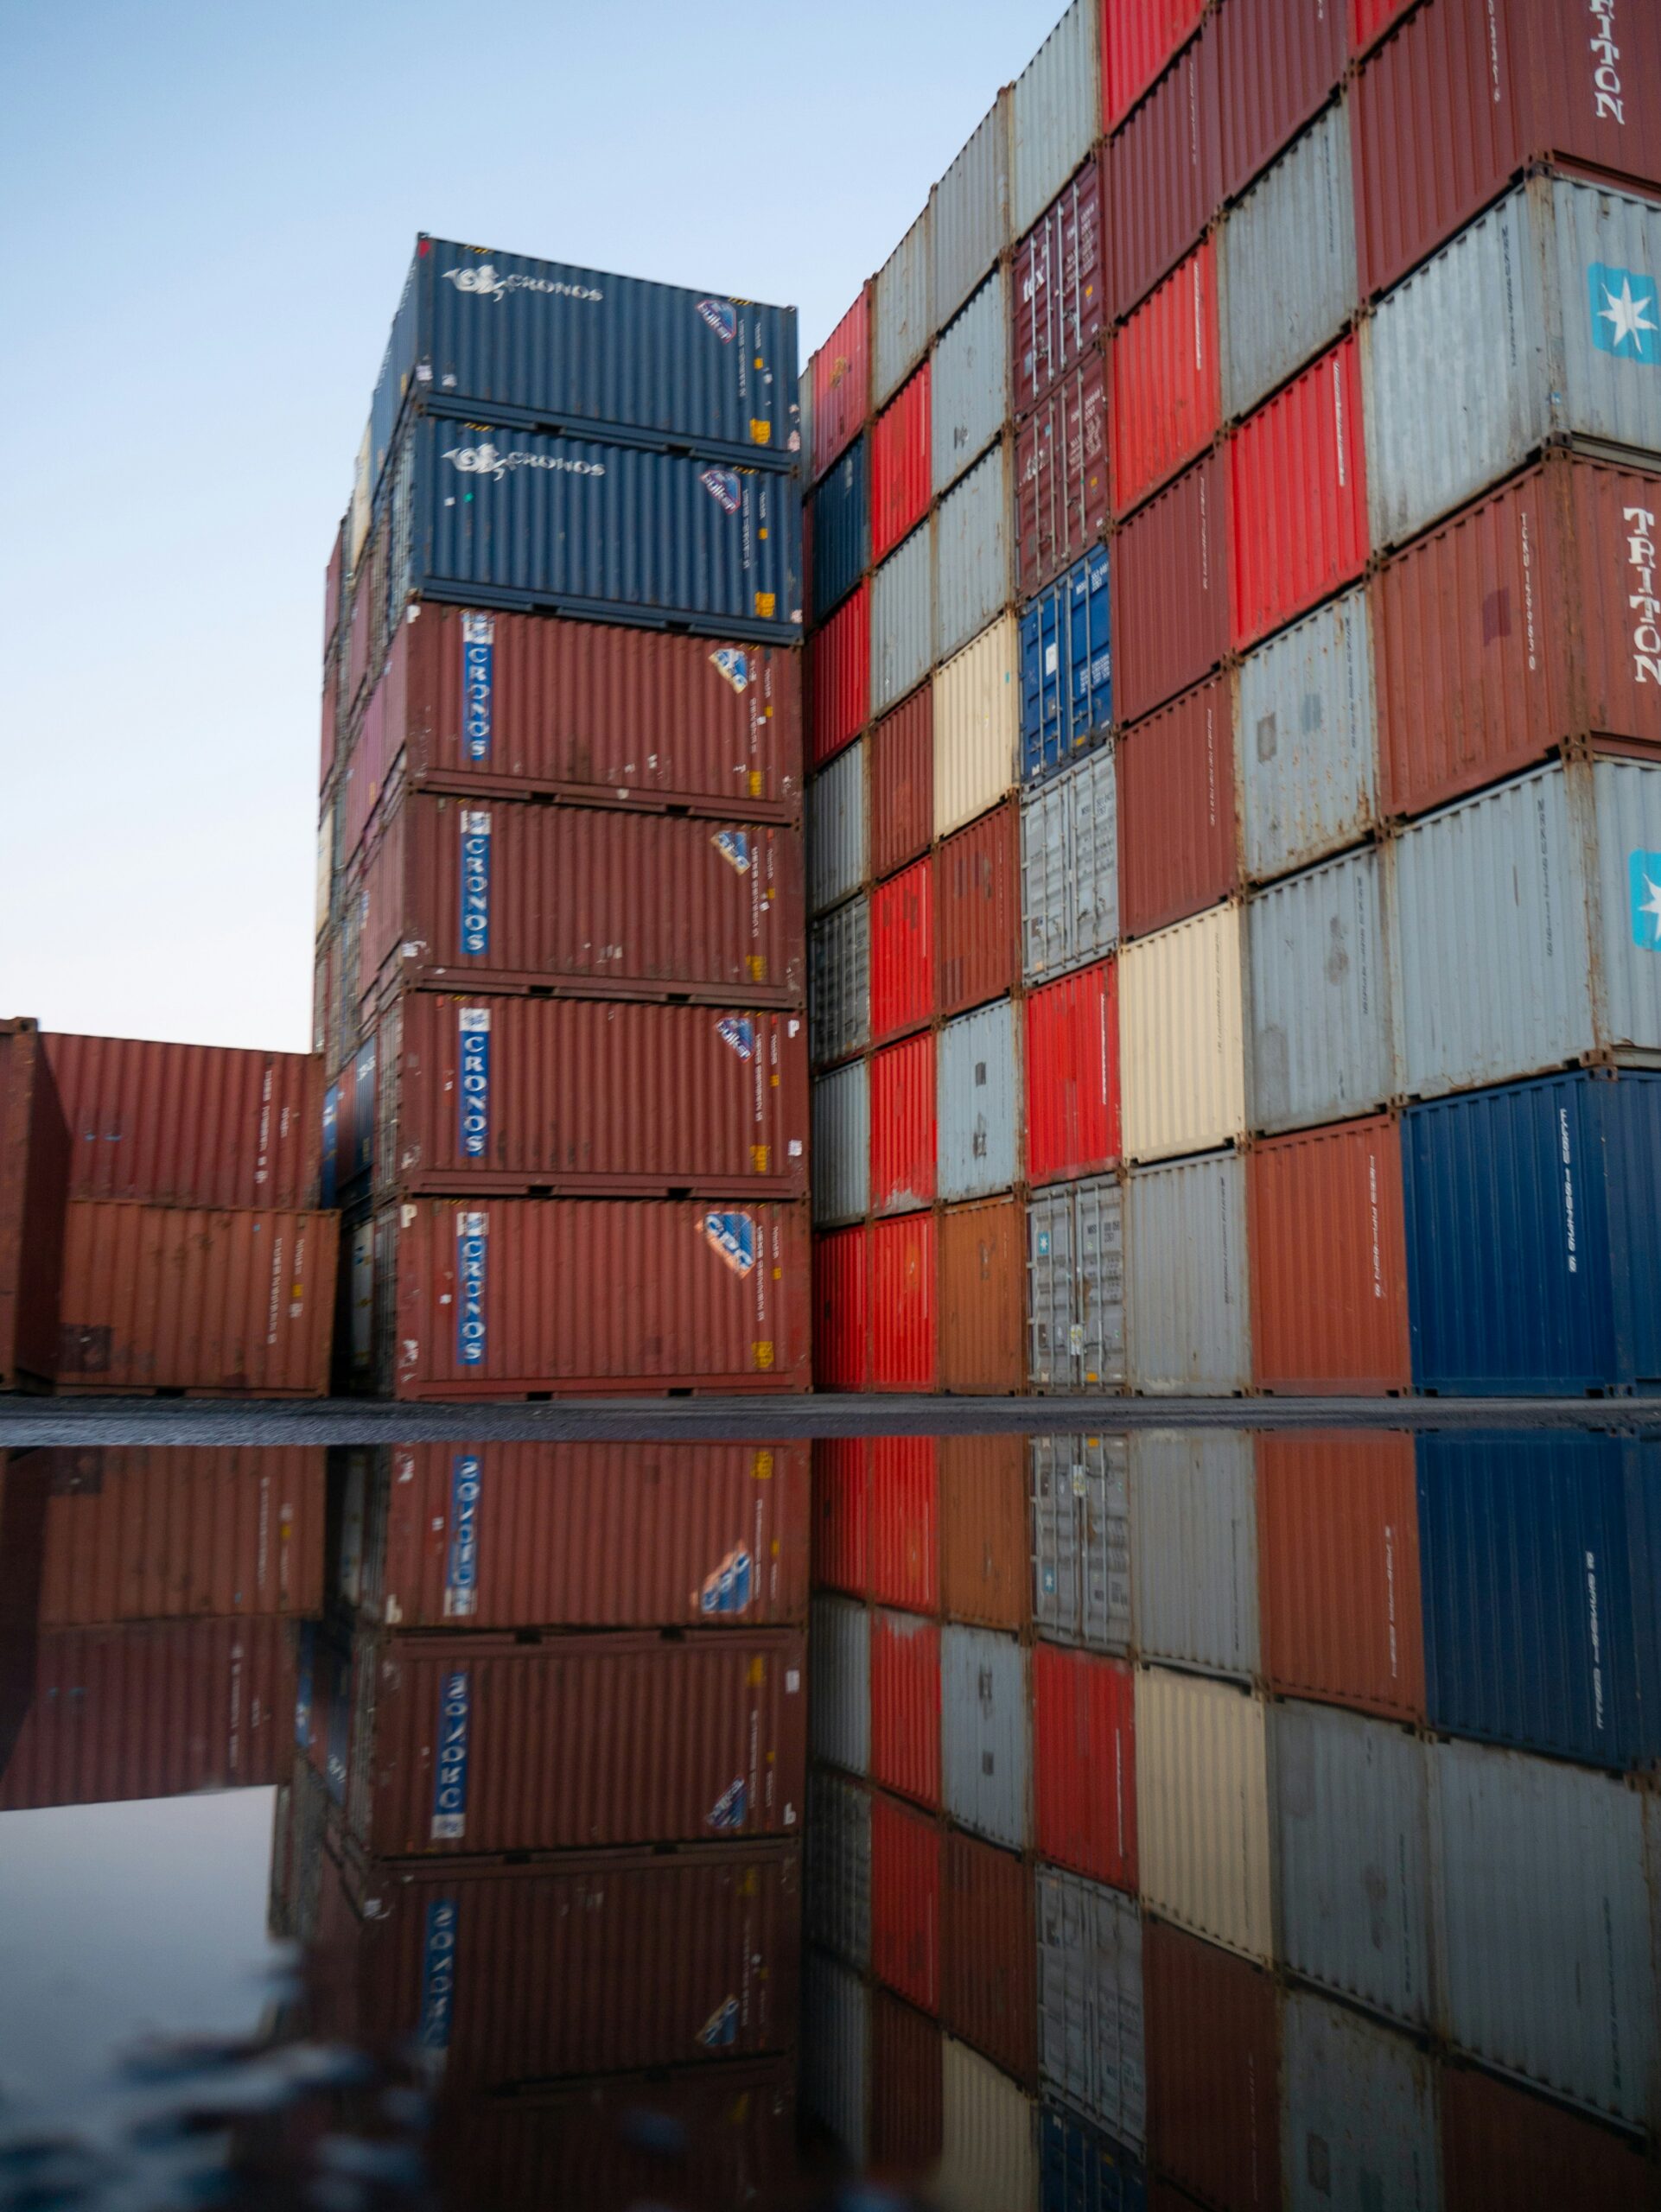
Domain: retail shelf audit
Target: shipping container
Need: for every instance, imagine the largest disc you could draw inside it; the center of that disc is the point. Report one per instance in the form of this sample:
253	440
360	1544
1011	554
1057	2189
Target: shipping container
837	524
1075	1288
976	724
1056	112
1170	591
989	2161
904	1146
1164	174
968	211
838	678
901	464
1090	2014
836	2052
1070	868
1213	2039
902	311
836	864
989	1967
1083	2170
1067	668
35	1152
1084	1775
899	781
1360	2107
1059	289
1505	2151
902	621
1188	1318
905	1523
985	1731
969	388
905	1318
839	1684
1180	844
842	1506
1194	1549
1321	1041
842	1145
976	905
985	1572
1304	740
1167	395
1072	1068
906	1887
1180	1040
906	1705
1287	263
978	1104
840	376
839	978
1297	492
1202	1808
1137	41
1061	481
983	1298
902	953
907	2090
974	572
1276	67
1081	1540
837	1870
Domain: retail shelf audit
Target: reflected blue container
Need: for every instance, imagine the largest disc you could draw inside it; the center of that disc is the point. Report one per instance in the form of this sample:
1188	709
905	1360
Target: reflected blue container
1083	2170
328	1183
1067	668
840	520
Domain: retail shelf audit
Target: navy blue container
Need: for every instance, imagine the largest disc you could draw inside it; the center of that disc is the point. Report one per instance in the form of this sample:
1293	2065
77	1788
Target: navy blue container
328	1180
1082	2171
490	517
1067	669
841	523
1534	1237
1540	1573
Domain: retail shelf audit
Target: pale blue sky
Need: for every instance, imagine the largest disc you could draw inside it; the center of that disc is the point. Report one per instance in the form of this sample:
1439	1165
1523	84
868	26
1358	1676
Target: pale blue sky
210	208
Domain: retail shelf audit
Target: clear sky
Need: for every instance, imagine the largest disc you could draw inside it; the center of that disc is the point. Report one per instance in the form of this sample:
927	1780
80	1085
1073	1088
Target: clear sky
210	208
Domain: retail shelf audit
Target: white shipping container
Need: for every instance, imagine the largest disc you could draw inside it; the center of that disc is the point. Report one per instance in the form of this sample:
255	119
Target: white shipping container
1360	2112
1070	868
1181	1043
1287	264
1305	739
1202	1808
1058	111
977	1111
1194	1522
902	320
902	620
836	830
839	982
974	575
1075	1287
841	1155
970	212
976	726
1188	1325
1321	1043
969	384
989	2137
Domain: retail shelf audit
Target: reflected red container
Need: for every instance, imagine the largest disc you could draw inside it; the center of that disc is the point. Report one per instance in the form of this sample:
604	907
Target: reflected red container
35	1150
989	1978
188	1125
903	1144
901	465
842	1316
1371	19
1164	175
839	678
905	1900
841	1506
334	573
1510	629
1277	62
1057	299
902	953
905	1523
984	1298
904	1352
1085	1763
985	1552
1179	848
1297	495
1073	1075
1061	476
1167	390
1338	1569
901	773
977	912
1170	591
906	1706
1328	1256
841	373
907	2083
584	1096
1464	95
1138	38
1505	2150
1213	2049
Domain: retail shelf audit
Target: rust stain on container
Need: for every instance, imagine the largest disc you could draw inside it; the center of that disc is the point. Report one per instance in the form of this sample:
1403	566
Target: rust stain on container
983	1298
1179	840
977	912
34	1181
1170	591
989	1986
985	1551
1213	2070
901	776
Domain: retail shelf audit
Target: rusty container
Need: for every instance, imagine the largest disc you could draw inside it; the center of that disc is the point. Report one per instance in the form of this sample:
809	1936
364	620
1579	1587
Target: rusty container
1277	62
1213	2029
1178	839
33	1182
983	1298
988	1964
985	1552
1061	496
901	779
976	902
1170	591
1164	174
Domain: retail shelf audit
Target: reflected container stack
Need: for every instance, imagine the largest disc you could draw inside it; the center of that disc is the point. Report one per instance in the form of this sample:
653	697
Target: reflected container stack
560	961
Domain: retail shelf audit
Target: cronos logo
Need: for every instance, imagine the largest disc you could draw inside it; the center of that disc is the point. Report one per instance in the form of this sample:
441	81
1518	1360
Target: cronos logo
489	460
485	280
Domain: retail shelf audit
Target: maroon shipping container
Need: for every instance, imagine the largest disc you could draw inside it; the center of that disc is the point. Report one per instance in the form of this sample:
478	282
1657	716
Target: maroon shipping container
988	1975
1170	591
904	1321
977	912
1062	474
33	1183
1164	175
586	1096
902	953
839	678
1371	19
1504	2150
1465	93
901	464
188	1125
985	1553
900	774
325	746
581	900
1516	627
157	1711
984	1298
842	1511
840	376
1072	1069
1213	2045
903	1139
906	1705
1058	297
1085	1763
518	1296
905	1900
178	1298
1167	388
1278	62
906	1521
907	2091
582	1535
1138	38
841	1313
1297	495
1179	848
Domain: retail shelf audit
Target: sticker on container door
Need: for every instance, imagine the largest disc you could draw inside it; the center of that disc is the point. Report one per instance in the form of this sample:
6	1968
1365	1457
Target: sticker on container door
437	1981
734	847
722	484
738	1031
732	1236
475	882
721	317
730	1808
478	683
461	1559
727	1588
472	1241
1624	317
1645	872
449	1821
473	1090
733	665
719	2030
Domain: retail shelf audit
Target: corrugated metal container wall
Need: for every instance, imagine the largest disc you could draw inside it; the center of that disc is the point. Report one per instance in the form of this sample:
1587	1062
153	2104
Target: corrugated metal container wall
835	2051
985	1743
1328	1255
1371	19
1170	591
1193	1556
970	384
35	1150
839	982
1084	2171
1187	1318
1180	1039
1304	740
836	831
983	1301
1287	277
900	784
976	726
1089	2026
839	525
1072	1065
1070	868
905	1523
1067	668
977	912
1062	499
1084	1767
1297	496
840	376
1075	1294
903	1139
1081	1540
1361	2103
989	2159
837	1892
839	1683
969	211
1353	1858
906	1706
1059	289
839	678
988	1993
1202	1808
1164	176
1056	113
1167	394
902	621
904	1319
1321	1034
901	311
973	570
842	1145
986	1574
841	1508
1501	2146
1213	2040
901	463
978	1104
1138	39
903	952
905	1885
1176	791
1275	69
842	1312
1542	1916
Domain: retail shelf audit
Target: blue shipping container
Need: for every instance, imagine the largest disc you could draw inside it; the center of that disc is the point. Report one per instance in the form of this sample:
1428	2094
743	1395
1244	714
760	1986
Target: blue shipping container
1533	1249
543	343
1083	2170
1067	669
840	521
1541	1575
512	519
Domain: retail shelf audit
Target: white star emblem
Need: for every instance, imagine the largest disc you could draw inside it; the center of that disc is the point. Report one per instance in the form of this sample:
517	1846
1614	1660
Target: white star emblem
1651	906
1625	315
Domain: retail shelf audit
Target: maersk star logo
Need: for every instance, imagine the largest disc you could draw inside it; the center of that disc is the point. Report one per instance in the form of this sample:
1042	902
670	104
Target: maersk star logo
1644	870
1624	319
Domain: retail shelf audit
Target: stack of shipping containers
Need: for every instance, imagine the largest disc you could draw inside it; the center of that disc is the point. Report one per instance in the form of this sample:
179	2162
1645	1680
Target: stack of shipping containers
561	971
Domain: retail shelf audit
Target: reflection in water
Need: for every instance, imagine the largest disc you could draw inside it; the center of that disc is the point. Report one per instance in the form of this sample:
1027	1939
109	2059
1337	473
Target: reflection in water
1186	1817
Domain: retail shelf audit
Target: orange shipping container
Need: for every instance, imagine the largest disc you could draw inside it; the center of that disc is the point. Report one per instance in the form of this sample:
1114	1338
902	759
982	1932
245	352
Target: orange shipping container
984	1298
985	1552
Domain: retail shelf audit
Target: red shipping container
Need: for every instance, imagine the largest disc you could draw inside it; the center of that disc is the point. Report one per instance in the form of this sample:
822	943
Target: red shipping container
1061	478
1179	847
1504	2150
904	1353
989	1977
1167	390
1138	38
841	1508
1085	1763
546	1295
584	1535
1277	62
901	465
179	1298
906	1706
984	1299
903	1146
907	2091
327	742
903	954
1073	1075
1464	95
905	1900
901	773
905	1522
842	1311
1338	1569
841	374
839	678
985	1552
1164	176
1297	488
1213	2051
1057	298
1170	591
1328	1253
188	1125
34	1155
977	912
1515	626
586	1096
1371	19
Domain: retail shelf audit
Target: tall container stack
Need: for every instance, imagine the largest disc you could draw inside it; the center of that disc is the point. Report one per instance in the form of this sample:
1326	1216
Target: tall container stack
561	966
